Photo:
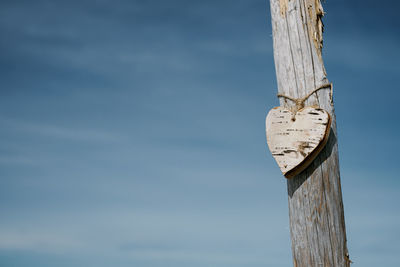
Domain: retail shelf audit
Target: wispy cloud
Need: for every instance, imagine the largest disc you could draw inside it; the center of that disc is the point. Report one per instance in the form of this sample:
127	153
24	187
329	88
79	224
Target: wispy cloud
194	236
59	132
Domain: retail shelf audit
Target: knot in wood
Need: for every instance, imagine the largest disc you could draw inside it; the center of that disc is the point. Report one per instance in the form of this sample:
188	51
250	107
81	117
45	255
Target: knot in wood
299	103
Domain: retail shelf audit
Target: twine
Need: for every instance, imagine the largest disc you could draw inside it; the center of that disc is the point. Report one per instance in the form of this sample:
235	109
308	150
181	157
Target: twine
300	101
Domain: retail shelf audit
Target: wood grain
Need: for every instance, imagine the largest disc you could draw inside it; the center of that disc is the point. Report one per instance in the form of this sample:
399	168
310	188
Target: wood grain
295	141
315	199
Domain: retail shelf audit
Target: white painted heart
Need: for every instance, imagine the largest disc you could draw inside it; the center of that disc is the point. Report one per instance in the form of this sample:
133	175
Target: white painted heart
295	141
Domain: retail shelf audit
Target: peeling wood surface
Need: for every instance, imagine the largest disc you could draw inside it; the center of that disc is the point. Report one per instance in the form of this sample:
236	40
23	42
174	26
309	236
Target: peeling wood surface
283	4
315	198
295	141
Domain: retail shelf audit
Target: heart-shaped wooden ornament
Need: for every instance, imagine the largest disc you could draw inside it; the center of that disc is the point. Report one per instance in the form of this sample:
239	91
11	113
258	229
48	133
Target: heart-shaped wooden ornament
295	141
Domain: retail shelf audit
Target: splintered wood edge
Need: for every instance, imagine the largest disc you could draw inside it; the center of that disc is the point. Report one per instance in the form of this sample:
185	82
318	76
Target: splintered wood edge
309	159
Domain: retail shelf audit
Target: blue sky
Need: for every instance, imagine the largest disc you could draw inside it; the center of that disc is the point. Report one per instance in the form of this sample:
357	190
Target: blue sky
133	133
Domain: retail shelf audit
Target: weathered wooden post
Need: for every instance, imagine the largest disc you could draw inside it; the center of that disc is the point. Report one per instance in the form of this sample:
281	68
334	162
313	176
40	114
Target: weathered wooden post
315	199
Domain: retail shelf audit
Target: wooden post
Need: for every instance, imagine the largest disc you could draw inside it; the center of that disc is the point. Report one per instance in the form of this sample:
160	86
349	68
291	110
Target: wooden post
316	214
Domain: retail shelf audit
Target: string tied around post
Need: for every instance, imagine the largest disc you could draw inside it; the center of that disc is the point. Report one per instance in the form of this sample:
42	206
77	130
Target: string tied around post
300	101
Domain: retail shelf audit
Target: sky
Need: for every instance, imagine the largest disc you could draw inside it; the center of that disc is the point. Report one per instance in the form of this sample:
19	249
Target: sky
132	133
